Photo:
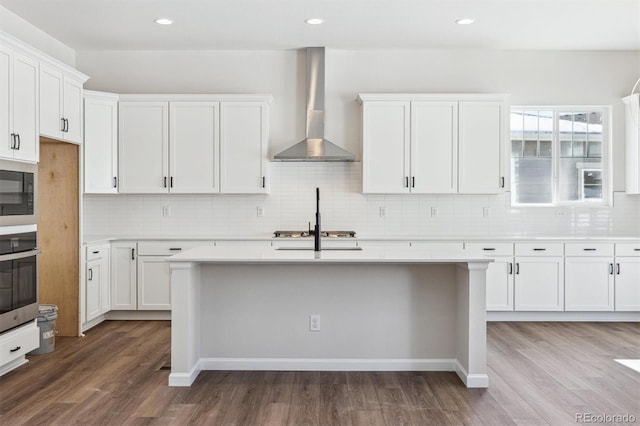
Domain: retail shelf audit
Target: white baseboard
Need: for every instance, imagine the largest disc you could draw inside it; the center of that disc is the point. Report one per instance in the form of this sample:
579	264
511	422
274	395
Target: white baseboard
185	379
325	364
565	316
4	369
471	380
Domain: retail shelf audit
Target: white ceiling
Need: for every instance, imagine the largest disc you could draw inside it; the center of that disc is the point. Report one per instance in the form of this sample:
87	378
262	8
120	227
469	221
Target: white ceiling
350	24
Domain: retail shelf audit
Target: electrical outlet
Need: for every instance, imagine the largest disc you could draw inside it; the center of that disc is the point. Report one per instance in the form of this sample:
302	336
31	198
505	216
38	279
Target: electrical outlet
314	322
166	211
434	211
486	211
260	211
383	211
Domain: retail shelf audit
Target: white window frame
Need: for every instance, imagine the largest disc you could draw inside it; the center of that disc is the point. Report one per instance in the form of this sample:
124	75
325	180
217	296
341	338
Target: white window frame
556	150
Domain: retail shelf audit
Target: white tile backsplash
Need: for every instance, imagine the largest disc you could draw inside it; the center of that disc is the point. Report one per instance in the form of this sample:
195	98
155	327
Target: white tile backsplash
291	205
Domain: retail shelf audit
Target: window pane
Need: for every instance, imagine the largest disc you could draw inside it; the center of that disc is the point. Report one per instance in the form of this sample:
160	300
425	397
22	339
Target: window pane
545	148
580	178
532	180
530	148
516	148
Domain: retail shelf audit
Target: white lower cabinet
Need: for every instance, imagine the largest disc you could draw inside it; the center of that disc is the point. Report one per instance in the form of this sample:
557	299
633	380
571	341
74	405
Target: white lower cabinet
627	277
97	282
16	343
154	283
589	284
539	277
124	294
499	272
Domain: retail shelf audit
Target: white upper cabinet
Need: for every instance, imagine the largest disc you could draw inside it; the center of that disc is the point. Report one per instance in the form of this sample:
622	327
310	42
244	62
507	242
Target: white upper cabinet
100	143
244	133
60	105
385	148
194	147
143	147
434	131
632	145
433	144
193	144
481	143
19	106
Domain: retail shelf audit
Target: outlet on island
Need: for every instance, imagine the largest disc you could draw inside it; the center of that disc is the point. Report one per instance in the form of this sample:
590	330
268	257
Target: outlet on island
314	322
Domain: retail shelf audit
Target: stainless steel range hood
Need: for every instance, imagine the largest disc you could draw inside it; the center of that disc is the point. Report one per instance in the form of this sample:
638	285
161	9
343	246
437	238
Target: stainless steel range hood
315	147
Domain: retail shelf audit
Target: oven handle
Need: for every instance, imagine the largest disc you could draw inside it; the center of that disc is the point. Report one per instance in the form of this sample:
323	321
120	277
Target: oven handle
20	255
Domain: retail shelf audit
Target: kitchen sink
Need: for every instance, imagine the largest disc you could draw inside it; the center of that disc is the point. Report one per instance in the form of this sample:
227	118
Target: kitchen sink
324	249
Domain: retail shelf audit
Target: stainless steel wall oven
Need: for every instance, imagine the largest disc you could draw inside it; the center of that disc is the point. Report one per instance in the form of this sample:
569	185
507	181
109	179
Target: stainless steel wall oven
18	276
18	195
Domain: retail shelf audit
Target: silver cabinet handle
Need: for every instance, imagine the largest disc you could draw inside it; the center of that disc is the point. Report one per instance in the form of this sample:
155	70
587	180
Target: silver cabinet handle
62	124
13	141
19	143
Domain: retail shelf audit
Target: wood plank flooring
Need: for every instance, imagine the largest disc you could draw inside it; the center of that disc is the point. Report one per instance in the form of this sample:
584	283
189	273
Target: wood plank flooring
540	374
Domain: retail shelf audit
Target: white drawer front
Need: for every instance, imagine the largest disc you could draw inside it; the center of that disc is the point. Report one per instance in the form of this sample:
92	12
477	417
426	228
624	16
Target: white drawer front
588	249
97	251
489	249
539	249
19	342
628	249
168	248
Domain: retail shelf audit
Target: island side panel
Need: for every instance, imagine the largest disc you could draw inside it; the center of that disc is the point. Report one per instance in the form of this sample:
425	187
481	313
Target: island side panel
371	315
471	324
186	323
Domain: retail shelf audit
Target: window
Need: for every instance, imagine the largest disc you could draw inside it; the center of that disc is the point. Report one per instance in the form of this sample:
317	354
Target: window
558	155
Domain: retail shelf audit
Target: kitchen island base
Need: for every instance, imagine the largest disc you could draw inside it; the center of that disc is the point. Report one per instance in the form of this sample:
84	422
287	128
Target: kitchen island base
391	314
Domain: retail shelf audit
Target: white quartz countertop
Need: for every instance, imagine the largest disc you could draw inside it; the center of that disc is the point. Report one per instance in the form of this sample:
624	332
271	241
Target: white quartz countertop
210	254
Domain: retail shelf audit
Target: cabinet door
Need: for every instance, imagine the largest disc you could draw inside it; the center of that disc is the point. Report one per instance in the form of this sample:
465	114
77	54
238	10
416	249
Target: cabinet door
244	131
154	283
195	147
51	92
588	284
6	141
434	147
93	289
105	281
123	276
385	147
500	285
72	110
627	284
25	107
479	147
100	145
143	147
538	284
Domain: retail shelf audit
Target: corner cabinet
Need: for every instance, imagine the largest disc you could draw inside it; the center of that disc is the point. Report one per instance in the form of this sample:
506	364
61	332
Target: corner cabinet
19	99
97	294
61	104
100	143
193	144
434	144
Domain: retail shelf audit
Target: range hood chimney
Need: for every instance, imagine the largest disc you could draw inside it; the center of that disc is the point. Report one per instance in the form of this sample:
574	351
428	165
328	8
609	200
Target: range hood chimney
314	147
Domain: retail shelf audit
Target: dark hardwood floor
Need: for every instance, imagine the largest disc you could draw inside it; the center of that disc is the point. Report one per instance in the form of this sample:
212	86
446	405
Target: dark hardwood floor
540	373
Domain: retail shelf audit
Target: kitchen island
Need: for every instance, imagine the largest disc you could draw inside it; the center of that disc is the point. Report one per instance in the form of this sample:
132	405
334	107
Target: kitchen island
246	309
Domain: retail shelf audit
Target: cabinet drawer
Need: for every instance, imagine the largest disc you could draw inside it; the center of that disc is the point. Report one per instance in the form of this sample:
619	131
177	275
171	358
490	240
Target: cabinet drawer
489	249
168	248
588	249
19	342
539	249
97	251
628	249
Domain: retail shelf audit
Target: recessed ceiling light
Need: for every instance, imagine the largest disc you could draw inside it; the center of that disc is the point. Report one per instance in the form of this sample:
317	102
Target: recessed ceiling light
163	21
314	21
465	21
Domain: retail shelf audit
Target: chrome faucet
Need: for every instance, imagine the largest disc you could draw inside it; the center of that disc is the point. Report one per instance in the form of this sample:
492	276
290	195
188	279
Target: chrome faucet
316	229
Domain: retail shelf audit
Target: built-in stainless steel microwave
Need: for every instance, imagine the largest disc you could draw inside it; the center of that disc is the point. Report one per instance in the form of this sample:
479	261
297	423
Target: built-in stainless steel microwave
18	195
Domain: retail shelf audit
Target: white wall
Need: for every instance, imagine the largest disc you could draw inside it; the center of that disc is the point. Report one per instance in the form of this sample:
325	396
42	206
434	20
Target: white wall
17	27
532	77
